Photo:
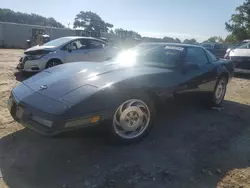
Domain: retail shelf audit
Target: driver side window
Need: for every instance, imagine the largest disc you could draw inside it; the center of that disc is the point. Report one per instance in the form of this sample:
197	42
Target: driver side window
77	45
211	56
195	55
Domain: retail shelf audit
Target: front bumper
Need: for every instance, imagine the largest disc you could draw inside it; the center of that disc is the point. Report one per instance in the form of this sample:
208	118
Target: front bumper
242	64
243	71
26	65
24	114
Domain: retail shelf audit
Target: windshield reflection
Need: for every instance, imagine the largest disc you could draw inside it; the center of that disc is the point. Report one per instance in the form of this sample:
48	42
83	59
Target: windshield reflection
150	54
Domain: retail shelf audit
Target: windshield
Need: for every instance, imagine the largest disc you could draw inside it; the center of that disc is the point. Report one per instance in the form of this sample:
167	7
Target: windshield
240	44
244	46
58	42
152	54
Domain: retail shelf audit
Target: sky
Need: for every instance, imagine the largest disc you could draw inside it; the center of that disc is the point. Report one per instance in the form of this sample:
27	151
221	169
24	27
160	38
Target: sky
183	19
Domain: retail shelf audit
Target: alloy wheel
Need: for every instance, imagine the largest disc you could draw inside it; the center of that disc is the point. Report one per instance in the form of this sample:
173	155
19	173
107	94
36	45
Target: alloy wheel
131	119
220	91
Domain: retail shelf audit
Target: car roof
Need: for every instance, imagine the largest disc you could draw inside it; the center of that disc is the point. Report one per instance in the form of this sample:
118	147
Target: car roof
172	44
82	37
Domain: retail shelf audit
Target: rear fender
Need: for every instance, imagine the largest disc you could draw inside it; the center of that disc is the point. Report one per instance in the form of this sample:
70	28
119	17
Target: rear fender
225	70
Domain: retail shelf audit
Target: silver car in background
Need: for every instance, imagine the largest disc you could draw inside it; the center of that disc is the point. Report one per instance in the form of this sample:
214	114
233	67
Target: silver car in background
235	46
241	58
65	50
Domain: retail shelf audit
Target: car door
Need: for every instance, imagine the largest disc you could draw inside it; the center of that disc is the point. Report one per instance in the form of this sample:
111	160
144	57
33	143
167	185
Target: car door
76	51
96	50
199	72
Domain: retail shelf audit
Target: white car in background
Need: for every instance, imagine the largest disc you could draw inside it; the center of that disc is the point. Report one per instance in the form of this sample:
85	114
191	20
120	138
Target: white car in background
235	46
240	56
65	50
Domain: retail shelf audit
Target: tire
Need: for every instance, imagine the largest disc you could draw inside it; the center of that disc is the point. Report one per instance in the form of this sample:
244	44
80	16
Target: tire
133	118
52	63
219	91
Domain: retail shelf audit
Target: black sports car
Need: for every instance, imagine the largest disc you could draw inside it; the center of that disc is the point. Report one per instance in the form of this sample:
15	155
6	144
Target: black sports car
122	91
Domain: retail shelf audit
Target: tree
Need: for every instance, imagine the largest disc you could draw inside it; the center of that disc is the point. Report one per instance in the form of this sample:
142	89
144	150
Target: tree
239	24
190	41
111	31
168	39
122	33
215	39
177	40
230	39
7	15
91	22
151	39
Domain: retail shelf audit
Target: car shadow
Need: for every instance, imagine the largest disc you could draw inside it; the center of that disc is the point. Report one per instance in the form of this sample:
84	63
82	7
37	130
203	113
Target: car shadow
21	76
190	146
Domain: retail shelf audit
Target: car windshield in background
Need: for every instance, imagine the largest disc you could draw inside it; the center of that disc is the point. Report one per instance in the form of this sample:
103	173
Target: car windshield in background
244	46
58	42
152	54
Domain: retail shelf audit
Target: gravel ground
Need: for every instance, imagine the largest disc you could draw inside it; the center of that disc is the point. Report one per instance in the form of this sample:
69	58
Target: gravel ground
190	146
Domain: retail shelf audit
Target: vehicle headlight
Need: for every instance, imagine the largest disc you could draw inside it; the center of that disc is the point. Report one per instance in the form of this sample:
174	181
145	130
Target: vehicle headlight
35	57
42	121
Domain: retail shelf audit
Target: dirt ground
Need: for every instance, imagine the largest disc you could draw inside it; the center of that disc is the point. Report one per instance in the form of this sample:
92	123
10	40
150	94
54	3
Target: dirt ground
190	146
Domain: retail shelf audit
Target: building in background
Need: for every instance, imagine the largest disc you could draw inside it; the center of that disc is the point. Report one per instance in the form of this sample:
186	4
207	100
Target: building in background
14	35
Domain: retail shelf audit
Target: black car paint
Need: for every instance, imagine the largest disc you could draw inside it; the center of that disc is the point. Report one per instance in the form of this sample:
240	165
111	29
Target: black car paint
80	90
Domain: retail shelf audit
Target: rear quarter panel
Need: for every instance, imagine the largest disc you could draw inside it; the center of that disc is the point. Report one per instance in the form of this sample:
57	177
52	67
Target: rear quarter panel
225	67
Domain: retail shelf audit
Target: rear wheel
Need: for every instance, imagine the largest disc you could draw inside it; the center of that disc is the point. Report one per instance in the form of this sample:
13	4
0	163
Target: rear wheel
52	63
133	119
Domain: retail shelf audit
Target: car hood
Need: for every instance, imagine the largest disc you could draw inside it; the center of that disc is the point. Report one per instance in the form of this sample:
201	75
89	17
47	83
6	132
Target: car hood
39	49
58	81
240	52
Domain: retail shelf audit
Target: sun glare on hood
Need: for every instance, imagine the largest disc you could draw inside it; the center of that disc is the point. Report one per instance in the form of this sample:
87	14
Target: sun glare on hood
127	58
82	71
93	76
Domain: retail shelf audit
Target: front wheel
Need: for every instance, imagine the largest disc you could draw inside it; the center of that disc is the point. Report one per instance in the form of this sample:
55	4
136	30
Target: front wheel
133	119
52	63
219	91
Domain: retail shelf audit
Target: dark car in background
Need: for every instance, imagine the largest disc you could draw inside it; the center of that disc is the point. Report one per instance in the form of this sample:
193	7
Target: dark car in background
218	49
122	92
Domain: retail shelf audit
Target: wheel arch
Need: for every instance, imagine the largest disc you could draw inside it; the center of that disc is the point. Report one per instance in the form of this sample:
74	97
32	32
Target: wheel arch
223	72
225	75
153	96
54	59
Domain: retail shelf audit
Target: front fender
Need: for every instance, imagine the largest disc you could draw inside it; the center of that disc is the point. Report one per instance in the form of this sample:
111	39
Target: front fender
57	54
93	102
